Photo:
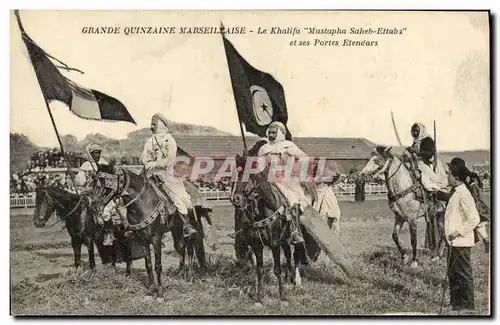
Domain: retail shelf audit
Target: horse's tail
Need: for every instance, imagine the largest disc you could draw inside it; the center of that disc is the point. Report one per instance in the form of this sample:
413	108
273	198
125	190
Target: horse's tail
359	189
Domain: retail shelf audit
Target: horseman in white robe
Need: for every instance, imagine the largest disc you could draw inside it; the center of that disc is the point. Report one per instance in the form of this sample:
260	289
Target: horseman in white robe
280	150
87	173
159	157
421	158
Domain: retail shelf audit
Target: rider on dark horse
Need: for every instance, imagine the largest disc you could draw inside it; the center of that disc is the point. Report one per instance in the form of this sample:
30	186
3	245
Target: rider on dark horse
87	179
159	158
281	149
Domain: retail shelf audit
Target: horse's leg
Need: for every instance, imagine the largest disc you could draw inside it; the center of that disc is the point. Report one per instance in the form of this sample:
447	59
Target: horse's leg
259	256
413	235
199	248
277	269
442	240
76	243
398	223
190	252
288	255
298	257
158	266
90	247
180	247
149	269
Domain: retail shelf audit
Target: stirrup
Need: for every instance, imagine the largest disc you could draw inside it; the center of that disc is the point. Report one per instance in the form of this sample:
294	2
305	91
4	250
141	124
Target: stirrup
128	234
188	230
296	238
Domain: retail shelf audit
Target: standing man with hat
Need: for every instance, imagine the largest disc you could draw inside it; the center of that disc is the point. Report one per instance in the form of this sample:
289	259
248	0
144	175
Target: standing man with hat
461	217
434	180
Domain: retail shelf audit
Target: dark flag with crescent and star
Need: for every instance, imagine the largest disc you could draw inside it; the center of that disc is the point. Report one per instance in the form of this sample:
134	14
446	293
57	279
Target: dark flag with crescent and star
260	98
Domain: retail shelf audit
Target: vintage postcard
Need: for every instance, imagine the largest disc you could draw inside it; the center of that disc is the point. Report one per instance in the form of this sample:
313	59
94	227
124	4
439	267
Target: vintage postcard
243	163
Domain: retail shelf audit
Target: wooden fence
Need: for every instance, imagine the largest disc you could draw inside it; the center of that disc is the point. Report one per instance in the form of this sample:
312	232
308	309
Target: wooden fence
27	201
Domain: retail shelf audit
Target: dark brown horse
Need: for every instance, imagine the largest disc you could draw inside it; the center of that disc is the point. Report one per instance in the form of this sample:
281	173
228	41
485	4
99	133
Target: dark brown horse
144	210
262	210
81	228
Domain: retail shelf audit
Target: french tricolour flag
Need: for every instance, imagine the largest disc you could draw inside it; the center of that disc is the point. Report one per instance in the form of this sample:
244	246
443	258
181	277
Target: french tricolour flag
85	103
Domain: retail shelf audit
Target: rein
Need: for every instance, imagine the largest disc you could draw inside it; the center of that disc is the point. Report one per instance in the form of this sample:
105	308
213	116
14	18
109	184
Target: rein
62	206
393	197
264	223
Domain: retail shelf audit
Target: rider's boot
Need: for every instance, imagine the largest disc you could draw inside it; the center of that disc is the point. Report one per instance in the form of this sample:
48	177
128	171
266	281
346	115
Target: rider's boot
295	235
187	227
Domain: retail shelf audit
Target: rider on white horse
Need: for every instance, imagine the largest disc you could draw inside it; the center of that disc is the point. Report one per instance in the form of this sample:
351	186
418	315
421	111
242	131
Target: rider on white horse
421	156
276	152
159	157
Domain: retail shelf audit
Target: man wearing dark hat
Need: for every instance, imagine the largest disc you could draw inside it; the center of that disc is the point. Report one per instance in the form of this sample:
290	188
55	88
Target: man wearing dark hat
433	173
461	217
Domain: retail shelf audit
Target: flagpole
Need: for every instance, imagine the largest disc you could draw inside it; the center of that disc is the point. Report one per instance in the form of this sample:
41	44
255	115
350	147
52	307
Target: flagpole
23	33
239	119
435	148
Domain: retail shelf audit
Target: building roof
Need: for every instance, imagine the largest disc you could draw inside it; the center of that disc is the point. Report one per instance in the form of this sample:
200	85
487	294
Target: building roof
333	148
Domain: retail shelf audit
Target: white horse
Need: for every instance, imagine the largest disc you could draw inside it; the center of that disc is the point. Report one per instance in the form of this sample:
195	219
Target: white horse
403	202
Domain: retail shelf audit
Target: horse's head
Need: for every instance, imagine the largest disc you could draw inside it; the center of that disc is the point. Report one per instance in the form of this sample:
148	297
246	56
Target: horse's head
377	162
92	209
44	206
242	186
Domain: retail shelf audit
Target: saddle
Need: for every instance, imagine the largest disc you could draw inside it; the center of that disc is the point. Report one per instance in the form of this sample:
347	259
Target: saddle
434	203
165	206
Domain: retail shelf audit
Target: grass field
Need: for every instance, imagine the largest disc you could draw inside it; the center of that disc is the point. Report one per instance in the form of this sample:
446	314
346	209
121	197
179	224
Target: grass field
43	282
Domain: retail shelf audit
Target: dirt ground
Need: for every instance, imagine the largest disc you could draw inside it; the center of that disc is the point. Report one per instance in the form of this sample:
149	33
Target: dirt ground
43	281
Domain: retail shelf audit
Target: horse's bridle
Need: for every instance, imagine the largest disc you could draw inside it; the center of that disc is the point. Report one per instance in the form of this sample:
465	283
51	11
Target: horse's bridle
244	208
51	199
391	196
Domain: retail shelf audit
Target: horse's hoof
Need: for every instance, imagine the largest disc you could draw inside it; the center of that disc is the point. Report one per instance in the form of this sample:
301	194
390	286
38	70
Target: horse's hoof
147	298
284	303
258	305
435	259
406	259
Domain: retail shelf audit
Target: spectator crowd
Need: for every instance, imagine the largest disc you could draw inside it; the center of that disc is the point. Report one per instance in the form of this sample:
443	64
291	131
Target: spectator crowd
41	165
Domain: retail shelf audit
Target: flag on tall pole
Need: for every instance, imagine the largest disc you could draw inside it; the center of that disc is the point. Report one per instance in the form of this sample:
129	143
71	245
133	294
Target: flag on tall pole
85	103
260	98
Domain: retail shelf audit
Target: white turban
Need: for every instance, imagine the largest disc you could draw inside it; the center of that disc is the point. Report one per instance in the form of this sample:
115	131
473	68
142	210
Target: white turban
91	147
281	131
161	126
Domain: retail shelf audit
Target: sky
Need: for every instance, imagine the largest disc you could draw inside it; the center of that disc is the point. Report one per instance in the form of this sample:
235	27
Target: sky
437	70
